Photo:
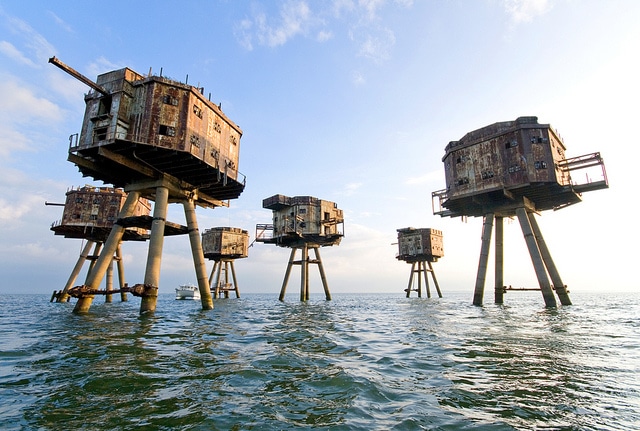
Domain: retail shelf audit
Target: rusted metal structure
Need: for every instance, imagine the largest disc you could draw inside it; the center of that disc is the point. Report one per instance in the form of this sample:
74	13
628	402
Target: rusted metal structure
89	213
302	223
515	168
224	245
420	247
162	140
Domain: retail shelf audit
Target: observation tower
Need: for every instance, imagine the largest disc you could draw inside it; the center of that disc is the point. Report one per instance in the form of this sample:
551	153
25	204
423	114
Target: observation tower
224	245
515	168
420	247
89	213
302	223
161	140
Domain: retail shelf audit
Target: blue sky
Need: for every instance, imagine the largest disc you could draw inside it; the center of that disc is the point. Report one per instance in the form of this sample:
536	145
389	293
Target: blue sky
348	101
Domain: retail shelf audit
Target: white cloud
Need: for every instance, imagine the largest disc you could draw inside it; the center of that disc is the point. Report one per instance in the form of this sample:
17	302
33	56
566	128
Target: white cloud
63	24
358	78
429	177
13	53
33	41
21	99
370	7
295	18
526	10
374	44
351	188
11	141
371	39
101	65
324	36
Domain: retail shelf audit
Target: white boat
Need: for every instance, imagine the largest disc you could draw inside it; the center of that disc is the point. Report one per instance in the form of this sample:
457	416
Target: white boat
187	291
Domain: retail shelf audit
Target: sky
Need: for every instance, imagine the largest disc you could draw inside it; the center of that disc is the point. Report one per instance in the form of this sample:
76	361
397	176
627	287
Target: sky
351	101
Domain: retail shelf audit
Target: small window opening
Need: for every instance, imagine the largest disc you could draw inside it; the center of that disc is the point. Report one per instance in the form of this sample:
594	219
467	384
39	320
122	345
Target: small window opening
167	130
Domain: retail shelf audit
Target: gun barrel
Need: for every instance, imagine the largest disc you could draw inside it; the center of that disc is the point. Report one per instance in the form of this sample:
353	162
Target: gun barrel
79	76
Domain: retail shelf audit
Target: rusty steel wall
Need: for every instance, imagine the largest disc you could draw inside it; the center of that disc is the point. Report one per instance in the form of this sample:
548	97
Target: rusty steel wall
305	217
505	155
160	112
97	207
107	117
414	242
225	242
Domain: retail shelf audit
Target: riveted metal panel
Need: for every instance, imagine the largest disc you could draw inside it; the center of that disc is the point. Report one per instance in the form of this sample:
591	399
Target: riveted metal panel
225	242
90	212
420	244
136	126
304	219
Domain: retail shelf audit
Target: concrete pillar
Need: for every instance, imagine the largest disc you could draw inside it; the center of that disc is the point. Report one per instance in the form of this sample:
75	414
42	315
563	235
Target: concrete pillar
226	279
64	297
499	269
154	254
304	272
435	282
92	261
235	281
99	269
213	279
287	274
536	258
410	286
419	271
323	277
560	288
108	298
121	279
487	228
426	279
198	255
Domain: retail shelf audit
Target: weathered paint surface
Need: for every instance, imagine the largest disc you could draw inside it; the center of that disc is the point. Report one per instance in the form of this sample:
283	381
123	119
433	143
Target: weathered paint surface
420	244
225	242
90	212
158	123
304	219
507	165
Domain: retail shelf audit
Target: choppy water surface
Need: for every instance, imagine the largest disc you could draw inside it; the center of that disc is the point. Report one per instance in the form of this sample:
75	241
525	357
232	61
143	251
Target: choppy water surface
358	362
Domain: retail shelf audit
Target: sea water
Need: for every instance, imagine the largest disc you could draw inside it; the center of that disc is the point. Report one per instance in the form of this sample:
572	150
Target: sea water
357	362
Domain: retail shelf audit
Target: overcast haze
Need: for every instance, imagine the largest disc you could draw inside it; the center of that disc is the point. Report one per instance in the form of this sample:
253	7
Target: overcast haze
348	101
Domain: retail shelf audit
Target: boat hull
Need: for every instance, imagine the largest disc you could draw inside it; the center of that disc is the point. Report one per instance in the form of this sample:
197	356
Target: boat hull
187	292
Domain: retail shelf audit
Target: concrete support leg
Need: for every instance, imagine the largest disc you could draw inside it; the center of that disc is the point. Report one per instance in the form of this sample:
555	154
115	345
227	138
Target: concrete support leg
108	298
435	282
235	280
304	274
64	297
287	273
426	279
154	254
226	279
198	255
410	286
487	228
560	288
121	279
92	261
214	278
419	271
499	269
323	277
536	258
99	269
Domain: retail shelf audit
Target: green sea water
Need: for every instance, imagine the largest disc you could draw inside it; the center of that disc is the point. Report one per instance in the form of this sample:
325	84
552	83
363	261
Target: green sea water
358	362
